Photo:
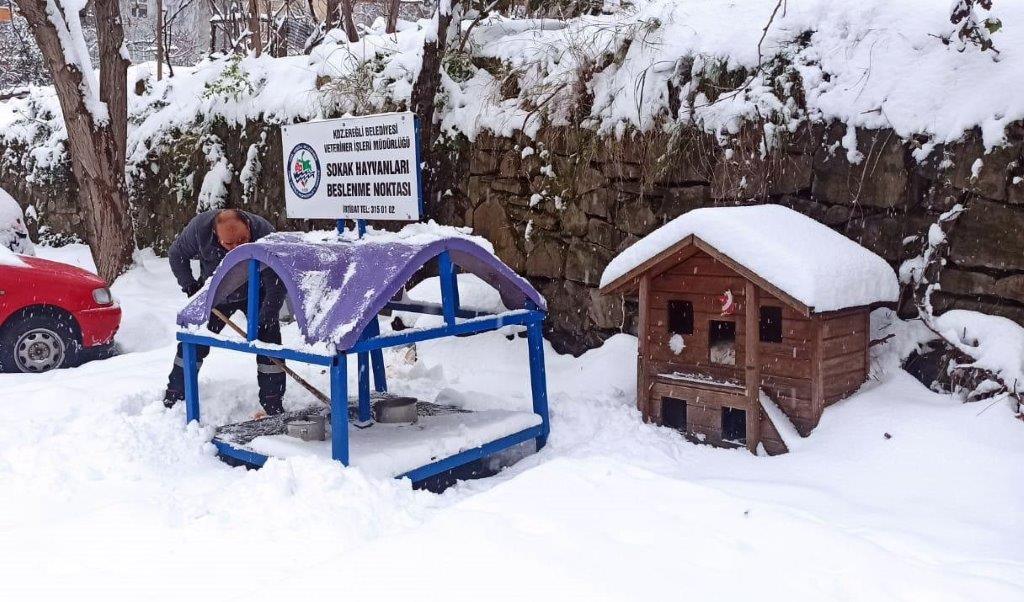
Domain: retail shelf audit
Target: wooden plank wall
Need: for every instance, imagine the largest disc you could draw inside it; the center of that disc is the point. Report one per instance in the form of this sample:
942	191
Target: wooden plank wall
704	414
844	353
786	367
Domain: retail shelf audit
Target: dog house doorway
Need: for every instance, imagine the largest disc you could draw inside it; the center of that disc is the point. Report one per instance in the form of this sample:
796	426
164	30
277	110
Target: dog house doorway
734	425
673	413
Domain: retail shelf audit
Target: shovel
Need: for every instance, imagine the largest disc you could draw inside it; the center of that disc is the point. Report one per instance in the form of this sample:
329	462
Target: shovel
305	384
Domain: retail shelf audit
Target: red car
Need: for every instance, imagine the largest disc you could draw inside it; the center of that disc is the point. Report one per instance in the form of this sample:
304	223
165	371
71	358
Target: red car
52	314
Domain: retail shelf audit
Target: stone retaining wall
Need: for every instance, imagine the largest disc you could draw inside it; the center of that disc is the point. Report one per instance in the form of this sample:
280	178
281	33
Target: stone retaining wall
562	211
558	208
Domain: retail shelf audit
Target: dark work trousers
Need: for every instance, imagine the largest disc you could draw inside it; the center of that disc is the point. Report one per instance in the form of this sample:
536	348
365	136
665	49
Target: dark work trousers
269	376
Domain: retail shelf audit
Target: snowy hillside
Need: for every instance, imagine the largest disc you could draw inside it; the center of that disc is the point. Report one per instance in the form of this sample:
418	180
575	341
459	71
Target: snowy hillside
900	494
869	64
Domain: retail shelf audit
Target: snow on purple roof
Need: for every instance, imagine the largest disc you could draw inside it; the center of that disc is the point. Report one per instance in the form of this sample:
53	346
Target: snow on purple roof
813	263
337	286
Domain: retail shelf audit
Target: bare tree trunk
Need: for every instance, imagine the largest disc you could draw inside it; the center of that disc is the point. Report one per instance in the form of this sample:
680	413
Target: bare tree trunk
159	40
349	21
254	28
331	16
270	44
424	93
96	144
113	73
392	26
167	44
281	30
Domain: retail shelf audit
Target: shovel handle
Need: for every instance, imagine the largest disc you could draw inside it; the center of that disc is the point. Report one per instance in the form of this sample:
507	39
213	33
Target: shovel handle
305	384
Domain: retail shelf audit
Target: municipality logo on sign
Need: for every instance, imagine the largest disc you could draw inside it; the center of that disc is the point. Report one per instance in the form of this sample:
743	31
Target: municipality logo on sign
303	171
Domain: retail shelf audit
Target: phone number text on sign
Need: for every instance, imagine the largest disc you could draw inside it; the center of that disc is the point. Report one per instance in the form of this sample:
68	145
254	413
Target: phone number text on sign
357	168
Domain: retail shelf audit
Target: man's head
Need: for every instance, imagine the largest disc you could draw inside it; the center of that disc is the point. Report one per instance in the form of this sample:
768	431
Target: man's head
232	230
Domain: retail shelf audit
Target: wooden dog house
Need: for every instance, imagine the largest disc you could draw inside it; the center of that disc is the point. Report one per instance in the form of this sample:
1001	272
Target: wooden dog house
746	311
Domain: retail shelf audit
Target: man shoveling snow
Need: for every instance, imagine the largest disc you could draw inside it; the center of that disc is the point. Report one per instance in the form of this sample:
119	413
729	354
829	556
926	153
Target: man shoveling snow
208	238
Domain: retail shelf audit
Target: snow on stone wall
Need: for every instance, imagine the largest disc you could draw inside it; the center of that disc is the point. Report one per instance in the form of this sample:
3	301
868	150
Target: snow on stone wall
593	132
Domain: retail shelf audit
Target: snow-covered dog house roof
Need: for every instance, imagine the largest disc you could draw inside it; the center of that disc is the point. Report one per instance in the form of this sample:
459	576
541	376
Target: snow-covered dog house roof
801	261
338	286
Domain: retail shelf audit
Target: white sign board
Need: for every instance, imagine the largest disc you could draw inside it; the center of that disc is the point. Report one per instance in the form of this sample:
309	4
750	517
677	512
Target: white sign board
355	167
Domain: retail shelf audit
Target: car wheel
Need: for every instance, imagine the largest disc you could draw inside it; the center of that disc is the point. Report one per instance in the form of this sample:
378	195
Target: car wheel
37	343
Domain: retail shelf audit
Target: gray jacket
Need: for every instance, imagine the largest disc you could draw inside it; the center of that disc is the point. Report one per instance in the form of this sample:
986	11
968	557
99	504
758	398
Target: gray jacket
199	241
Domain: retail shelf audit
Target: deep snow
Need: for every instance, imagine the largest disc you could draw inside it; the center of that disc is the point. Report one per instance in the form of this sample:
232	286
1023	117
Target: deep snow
106	495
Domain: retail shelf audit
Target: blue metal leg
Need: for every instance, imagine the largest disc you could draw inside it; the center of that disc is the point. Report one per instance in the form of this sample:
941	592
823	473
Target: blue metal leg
538	379
188	355
364	387
380	379
339	409
449	287
252	314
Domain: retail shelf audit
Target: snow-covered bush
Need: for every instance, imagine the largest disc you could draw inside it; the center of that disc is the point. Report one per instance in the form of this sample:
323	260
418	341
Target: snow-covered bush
992	363
972	28
975	356
13	232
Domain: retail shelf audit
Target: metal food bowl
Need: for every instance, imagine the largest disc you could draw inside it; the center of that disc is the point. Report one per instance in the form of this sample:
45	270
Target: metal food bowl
395	410
312	428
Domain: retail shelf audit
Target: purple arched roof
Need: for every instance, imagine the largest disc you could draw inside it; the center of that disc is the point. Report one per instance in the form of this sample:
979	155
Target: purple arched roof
337	286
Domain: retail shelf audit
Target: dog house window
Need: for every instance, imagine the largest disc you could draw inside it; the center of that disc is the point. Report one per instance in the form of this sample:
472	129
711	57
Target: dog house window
722	342
673	413
771	324
680	317
734	425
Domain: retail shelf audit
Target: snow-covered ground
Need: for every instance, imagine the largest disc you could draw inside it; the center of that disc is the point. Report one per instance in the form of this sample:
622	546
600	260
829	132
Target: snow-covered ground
900	493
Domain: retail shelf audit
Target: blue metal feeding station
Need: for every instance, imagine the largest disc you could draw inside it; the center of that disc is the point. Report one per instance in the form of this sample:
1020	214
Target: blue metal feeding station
338	286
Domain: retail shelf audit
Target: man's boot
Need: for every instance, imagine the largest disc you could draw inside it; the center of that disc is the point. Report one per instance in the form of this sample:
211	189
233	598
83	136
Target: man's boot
172	397
272	404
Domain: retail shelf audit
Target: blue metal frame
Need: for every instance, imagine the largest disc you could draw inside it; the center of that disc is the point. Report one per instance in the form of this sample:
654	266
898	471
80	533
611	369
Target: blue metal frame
257	459
369	355
252	315
363	362
380	379
476	326
367	361
191	369
339	409
251	458
449	287
284	354
538	378
476	453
